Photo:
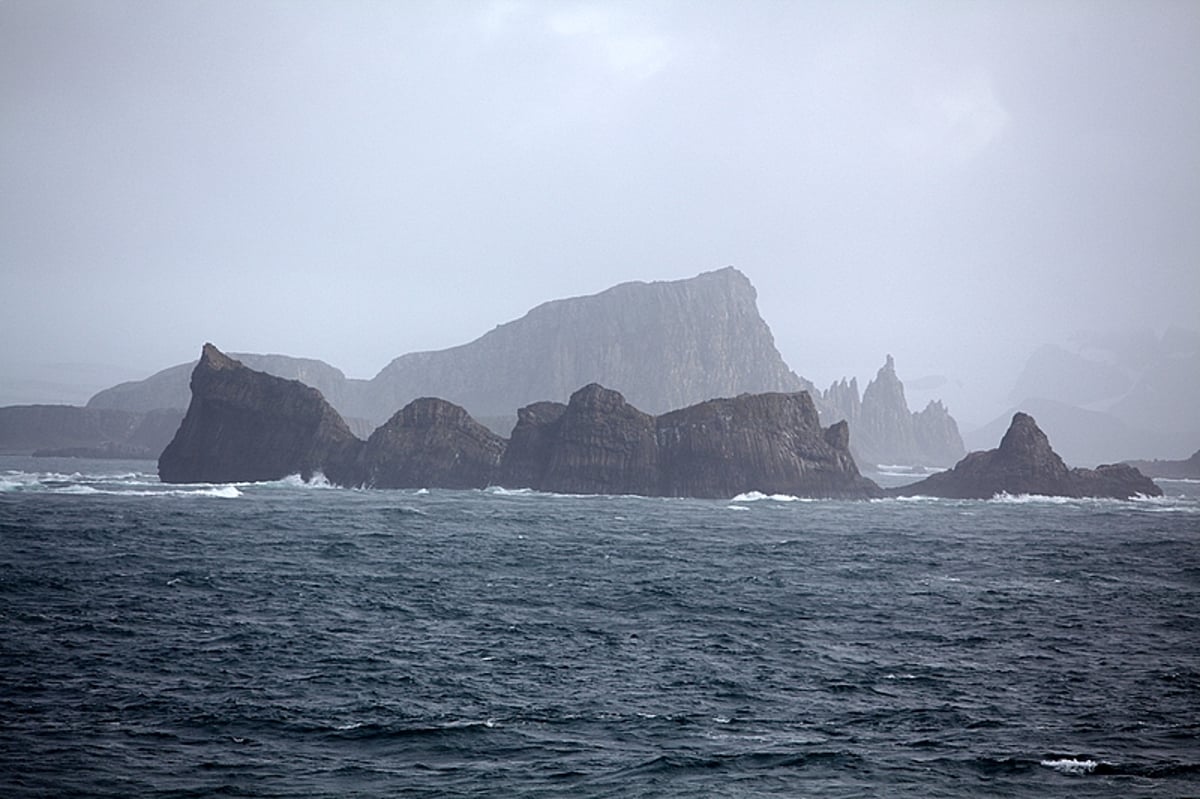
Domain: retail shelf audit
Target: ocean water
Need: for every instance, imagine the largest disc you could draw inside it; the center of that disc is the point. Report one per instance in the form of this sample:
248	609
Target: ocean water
284	639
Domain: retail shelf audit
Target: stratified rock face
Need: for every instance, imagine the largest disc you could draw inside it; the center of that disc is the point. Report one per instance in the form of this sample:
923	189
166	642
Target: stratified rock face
600	444
663	345
243	425
431	442
884	431
527	456
1025	463
771	443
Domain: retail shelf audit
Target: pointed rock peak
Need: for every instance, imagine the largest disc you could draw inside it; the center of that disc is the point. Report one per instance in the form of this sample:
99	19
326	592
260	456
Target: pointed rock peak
213	358
1025	437
890	366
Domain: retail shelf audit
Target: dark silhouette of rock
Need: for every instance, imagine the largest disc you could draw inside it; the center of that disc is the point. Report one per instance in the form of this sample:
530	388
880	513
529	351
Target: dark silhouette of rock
884	431
1188	469
72	431
428	443
772	443
1025	463
244	425
599	443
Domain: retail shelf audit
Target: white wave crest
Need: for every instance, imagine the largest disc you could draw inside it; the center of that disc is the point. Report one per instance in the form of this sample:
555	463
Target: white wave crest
757	496
1070	765
1030	499
500	491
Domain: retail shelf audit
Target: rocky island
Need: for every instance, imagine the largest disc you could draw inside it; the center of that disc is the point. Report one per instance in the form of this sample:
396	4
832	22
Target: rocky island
1024	463
246	425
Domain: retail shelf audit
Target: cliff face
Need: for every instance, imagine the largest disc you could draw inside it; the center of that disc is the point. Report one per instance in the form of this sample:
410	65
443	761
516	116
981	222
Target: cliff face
1025	463
884	431
599	443
771	443
662	345
431	442
243	425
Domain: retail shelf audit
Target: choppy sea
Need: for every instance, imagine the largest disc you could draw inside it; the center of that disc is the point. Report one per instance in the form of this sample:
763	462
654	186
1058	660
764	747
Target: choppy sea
291	639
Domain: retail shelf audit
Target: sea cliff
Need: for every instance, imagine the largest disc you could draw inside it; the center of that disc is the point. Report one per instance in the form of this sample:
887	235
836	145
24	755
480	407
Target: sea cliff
244	425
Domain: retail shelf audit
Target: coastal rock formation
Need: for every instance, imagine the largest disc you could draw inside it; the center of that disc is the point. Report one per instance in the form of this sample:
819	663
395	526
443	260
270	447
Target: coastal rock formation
244	425
170	387
772	443
1188	469
599	443
1024	463
663	344
884	431
596	444
430	442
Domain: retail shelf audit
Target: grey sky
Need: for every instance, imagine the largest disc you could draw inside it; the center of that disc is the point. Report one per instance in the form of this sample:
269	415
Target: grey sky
953	183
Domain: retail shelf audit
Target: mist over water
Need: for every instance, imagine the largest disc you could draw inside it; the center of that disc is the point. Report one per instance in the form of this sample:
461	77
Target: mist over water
956	186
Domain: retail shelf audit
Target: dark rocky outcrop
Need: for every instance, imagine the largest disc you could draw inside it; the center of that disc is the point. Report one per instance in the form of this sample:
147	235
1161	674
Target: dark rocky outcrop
599	443
882	428
596	444
771	443
243	425
1025	463
1188	469
430	442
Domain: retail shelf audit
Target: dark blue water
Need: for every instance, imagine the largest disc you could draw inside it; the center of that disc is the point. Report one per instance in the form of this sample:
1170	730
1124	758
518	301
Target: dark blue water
284	640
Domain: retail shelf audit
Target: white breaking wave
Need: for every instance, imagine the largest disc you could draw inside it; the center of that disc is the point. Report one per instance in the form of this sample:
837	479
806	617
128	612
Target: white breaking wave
1070	765
758	496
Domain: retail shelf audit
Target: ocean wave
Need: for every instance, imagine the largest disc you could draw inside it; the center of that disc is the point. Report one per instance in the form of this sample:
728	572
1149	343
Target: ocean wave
758	496
1071	765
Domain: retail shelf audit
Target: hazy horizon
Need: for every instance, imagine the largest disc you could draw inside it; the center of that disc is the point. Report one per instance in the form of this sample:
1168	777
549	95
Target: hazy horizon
951	183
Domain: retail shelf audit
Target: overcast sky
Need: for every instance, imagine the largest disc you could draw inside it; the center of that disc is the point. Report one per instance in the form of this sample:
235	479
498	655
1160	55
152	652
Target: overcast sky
951	182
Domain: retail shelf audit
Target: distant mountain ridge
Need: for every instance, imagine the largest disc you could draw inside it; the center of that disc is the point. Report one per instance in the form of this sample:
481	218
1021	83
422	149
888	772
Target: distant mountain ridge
1113	396
663	345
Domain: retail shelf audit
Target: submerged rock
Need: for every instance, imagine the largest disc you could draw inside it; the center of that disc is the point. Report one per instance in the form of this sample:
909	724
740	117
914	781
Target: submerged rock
1025	463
